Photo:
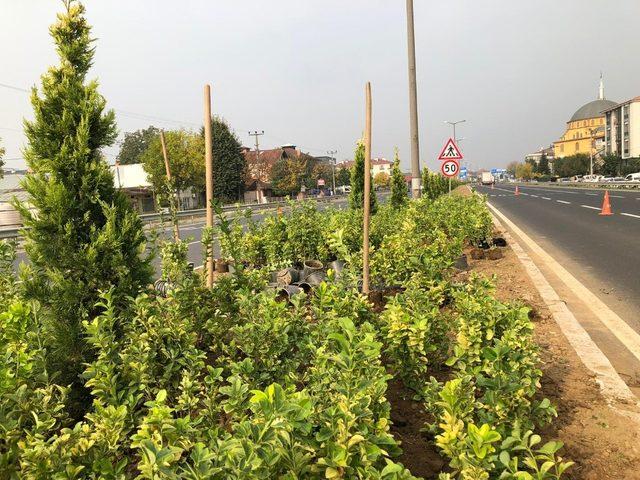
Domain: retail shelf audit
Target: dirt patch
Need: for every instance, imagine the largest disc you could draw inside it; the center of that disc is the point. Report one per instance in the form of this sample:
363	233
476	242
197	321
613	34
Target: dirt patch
602	442
419	453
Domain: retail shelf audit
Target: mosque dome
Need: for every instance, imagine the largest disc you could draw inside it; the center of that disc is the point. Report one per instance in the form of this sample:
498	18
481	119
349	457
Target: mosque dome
592	109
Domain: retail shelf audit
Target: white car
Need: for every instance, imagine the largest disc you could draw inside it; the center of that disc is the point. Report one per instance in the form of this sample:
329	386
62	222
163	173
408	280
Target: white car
632	177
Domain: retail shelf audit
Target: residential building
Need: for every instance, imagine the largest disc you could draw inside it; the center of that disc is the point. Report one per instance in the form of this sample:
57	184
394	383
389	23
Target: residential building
378	165
585	131
258	186
537	155
622	129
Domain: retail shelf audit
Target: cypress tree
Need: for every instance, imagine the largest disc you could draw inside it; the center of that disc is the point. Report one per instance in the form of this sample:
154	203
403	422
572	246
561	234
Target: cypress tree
82	235
356	198
398	184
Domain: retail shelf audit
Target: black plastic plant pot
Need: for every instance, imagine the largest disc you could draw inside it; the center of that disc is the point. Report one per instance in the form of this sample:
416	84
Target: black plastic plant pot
221	266
162	287
287	276
288	291
311	266
306	287
316	278
499	242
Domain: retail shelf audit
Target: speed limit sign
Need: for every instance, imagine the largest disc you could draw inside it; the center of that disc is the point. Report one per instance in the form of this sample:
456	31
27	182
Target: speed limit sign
450	168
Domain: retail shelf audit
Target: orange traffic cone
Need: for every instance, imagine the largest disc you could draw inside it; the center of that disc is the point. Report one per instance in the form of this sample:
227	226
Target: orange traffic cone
606	206
517	190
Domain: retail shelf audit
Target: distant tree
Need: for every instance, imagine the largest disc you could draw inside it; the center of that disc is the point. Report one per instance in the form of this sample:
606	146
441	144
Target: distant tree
135	144
229	165
321	170
381	179
543	165
610	165
572	165
185	151
398	184
524	171
356	198
81	234
1	161
343	177
511	167
288	176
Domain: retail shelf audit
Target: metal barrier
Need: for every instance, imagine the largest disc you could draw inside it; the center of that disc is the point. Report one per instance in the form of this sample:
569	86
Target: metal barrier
605	185
15	232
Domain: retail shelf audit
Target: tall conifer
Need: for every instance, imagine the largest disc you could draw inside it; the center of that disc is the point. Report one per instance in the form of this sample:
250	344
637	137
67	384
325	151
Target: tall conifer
398	183
356	198
82	235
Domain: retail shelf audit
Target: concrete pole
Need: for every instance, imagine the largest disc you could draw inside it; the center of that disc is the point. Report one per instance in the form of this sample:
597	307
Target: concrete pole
167	167
413	105
208	164
367	189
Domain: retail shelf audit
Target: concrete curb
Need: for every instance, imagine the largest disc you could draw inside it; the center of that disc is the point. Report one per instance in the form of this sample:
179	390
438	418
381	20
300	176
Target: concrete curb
615	391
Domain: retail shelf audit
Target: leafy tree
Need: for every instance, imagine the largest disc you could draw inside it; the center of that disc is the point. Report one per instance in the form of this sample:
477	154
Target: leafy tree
287	176
524	171
543	165
343	177
185	150
572	165
356	198
83	236
511	167
322	171
229	164
398	184
1	161
381	179
611	165
135	144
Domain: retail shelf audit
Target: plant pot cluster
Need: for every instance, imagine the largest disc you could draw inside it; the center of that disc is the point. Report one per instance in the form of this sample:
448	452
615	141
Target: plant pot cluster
292	281
489	250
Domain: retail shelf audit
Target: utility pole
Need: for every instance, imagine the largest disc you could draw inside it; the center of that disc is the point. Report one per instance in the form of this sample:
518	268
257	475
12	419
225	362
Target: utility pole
413	105
256	134
333	157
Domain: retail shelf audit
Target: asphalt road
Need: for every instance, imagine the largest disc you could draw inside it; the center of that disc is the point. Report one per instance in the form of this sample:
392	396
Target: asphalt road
600	251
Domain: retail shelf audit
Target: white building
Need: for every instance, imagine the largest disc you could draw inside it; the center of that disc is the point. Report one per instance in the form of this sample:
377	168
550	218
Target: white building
622	129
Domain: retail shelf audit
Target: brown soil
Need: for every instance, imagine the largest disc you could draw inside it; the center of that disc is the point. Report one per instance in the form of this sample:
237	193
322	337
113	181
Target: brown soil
419	454
602	442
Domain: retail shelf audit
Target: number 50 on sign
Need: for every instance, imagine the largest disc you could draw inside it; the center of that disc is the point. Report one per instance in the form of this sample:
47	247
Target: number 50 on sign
450	168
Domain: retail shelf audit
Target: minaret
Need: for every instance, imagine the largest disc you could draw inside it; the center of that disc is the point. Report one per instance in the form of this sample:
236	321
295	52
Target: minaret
601	91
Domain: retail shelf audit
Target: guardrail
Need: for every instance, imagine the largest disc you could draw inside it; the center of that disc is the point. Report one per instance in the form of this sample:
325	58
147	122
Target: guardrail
148	218
605	185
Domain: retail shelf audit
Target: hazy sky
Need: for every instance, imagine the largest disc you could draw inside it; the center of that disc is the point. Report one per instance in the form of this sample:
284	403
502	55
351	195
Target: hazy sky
515	70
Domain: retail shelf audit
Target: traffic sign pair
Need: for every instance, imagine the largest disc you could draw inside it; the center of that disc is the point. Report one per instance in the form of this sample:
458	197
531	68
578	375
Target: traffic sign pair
450	155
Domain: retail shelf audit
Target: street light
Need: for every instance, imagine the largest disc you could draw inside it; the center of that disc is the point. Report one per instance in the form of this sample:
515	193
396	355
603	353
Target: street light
453	124
332	153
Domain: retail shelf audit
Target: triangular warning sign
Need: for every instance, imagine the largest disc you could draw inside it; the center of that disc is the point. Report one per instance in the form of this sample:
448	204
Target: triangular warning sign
450	151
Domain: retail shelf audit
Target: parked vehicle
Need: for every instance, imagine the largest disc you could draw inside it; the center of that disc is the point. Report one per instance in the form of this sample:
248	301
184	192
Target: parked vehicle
633	177
618	179
592	178
577	178
487	178
564	180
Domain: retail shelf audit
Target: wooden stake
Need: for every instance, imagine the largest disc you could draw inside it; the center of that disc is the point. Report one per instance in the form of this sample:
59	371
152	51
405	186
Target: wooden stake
208	162
367	188
176	229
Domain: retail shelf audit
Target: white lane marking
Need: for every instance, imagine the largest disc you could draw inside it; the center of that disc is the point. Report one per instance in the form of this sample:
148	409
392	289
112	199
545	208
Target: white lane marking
545	198
535	196
563	201
629	215
522	193
621	329
616	196
589	206
592	194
